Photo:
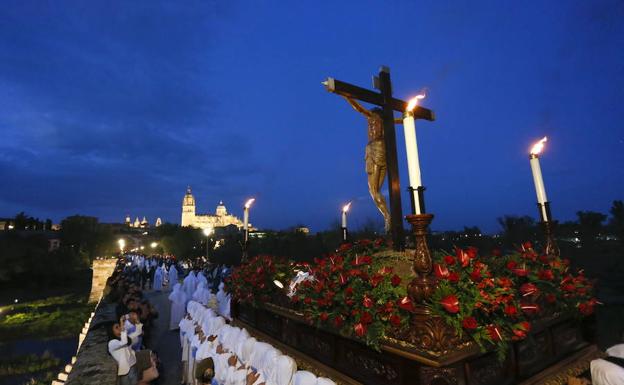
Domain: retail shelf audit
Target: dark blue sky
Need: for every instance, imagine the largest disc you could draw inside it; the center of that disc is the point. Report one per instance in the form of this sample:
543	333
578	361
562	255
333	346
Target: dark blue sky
113	108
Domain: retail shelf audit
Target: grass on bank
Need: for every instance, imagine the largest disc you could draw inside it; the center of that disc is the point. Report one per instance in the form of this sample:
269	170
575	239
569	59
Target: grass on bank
49	318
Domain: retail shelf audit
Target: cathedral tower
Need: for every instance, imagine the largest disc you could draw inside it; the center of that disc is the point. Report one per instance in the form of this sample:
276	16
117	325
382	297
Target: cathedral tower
188	208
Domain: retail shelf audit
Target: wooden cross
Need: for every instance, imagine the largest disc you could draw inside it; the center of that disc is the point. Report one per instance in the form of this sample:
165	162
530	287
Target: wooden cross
388	104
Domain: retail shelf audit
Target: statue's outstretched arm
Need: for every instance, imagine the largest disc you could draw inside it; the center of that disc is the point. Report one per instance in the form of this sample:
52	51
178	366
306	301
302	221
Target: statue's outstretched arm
358	107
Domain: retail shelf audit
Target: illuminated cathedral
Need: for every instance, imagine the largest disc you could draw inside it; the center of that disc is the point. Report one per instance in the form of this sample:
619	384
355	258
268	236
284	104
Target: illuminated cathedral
220	218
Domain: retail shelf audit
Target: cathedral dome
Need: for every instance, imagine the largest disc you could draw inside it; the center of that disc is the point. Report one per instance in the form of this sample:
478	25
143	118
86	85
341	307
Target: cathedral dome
221	210
188	200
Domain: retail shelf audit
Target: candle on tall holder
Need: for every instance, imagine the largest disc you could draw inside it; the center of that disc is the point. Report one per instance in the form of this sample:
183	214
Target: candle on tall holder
246	226
543	204
343	228
422	286
415	188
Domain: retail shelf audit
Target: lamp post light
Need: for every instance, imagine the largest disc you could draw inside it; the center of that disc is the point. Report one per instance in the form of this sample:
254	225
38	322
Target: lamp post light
122	244
208	233
153	245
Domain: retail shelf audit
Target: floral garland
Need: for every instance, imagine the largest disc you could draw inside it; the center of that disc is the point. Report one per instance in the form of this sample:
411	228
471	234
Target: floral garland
254	282
352	294
495	301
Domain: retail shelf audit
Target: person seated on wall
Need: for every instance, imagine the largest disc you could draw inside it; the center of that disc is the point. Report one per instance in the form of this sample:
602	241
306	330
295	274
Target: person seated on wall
134	328
119	348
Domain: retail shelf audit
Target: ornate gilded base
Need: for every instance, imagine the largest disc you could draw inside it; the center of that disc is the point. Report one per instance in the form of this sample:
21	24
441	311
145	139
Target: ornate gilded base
551	248
424	283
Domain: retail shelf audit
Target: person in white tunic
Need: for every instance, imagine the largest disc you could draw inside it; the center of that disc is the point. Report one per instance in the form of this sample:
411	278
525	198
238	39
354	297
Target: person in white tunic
178	306
158	279
189	284
173	276
202	294
609	371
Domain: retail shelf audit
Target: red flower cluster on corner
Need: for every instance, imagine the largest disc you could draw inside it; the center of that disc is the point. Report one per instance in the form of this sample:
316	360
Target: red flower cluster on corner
496	299
253	282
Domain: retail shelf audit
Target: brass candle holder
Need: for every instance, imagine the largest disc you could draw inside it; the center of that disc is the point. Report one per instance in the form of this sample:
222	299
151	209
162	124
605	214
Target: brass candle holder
424	283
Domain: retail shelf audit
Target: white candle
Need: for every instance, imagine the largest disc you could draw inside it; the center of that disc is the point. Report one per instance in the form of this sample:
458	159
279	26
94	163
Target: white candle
411	148
345	208
538	180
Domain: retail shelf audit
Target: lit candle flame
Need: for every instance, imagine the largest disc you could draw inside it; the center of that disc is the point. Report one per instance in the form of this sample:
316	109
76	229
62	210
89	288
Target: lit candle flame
249	202
346	207
414	102
538	147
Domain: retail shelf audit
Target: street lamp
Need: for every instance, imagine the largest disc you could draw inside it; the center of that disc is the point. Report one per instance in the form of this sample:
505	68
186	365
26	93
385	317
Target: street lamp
122	244
153	245
208	231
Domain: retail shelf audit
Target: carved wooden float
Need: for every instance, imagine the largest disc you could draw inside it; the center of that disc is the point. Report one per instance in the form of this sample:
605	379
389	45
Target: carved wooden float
438	356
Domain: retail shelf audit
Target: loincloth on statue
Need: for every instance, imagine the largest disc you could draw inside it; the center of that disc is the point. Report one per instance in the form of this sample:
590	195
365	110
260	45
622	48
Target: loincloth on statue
375	155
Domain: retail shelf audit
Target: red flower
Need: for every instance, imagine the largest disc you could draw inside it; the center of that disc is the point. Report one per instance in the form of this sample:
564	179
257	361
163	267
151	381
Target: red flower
406	304
366	318
365	260
469	323
450	303
376	279
475	275
395	320
568	287
494	333
449	260
521	272
528	289
530	308
440	271
324	316
462	257
342	279
546	275
360	329
527	246
586	308
453	277
348	291
307	300
505	282
472	252
511	310
511	265
396	280
367	302
338	321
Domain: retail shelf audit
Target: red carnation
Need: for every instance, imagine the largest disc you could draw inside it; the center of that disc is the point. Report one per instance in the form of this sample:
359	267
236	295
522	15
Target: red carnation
568	287
521	272
440	271
395	320
469	323
511	265
307	300
406	304
449	260
349	291
396	280
471	251
324	316
511	310
360	329
376	279
450	303
586	308
366	318
475	275
342	279
453	277
338	321
367	302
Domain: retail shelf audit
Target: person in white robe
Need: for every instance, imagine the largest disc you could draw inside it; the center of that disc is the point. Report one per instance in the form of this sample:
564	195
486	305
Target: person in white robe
178	306
324	381
201	278
303	377
189	284
158	279
173	276
202	294
285	368
605	372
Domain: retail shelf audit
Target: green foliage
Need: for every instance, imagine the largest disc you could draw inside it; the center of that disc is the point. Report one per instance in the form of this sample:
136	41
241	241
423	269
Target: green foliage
30	363
46	319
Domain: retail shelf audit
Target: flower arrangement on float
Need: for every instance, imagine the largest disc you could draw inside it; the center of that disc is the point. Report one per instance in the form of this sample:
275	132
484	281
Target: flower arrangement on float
494	300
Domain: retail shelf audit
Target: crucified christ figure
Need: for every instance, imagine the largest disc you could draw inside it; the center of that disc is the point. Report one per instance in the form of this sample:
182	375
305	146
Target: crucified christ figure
375	157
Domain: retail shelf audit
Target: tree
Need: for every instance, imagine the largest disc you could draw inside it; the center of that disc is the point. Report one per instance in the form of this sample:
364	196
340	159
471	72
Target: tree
590	226
517	229
617	220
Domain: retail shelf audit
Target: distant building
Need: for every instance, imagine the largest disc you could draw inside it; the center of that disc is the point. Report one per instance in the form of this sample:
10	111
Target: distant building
302	229
220	218
142	224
